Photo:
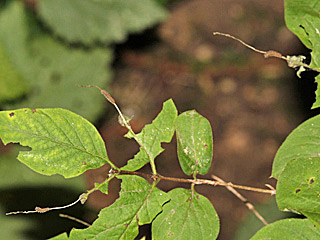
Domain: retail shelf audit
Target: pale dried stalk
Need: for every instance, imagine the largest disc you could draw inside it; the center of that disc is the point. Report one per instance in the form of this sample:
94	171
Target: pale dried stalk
74	219
47	209
270	53
243	199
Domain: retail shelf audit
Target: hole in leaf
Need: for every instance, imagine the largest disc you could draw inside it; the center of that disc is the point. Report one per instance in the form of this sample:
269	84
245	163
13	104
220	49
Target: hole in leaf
11	114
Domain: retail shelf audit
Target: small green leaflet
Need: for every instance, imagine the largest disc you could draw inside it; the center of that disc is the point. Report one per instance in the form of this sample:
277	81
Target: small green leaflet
186	216
302	18
298	188
62	142
195	142
302	142
288	229
152	135
105	21
138	204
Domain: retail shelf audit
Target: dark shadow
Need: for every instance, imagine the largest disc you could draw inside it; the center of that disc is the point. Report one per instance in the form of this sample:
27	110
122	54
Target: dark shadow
48	224
305	88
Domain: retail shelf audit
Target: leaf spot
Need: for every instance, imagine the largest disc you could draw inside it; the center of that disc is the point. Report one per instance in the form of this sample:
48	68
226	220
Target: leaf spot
311	180
189	199
84	163
298	190
34	110
173	211
11	114
170	234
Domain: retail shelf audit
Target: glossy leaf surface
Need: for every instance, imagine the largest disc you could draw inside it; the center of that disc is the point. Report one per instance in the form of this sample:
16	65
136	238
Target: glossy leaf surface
194	142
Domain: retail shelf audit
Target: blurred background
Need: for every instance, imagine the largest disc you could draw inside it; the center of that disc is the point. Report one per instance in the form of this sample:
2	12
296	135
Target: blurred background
144	52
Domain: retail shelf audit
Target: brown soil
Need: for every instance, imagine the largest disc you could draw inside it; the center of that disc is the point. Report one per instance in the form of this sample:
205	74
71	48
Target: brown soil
247	99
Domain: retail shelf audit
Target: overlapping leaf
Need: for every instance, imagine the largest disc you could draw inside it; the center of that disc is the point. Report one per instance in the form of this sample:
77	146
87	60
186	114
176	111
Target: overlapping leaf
186	216
138	204
105	21
298	188
62	142
194	142
302	18
51	69
302	142
152	135
288	229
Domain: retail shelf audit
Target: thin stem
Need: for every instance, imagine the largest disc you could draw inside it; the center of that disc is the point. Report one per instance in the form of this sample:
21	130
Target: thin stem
74	219
268	54
243	199
126	124
239	40
111	176
47	209
202	181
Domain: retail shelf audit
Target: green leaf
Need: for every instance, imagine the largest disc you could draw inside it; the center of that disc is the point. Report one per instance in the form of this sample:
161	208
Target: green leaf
302	18
298	187
186	216
302	142
152	135
51	69
138	204
288	229
15	174
105	21
62	236
194	142
12	85
62	142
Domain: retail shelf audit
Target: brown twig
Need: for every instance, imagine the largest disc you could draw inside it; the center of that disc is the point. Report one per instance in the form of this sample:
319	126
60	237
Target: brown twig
74	219
202	181
243	199
292	61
